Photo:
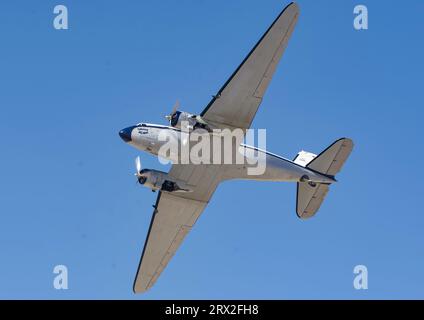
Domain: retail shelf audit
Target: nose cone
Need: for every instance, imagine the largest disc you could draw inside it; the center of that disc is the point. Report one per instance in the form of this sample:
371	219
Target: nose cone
125	134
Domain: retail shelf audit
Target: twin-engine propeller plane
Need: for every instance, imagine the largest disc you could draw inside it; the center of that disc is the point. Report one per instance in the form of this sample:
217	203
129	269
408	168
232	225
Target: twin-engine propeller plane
186	189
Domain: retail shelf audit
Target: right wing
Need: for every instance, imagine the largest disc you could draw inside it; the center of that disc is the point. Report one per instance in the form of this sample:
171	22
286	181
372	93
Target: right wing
173	217
236	103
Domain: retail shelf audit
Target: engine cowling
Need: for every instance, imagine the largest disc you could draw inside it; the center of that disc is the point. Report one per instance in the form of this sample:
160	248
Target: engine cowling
187	120
159	180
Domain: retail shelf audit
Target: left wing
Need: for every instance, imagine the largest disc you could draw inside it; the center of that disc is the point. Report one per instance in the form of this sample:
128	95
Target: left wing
236	103
173	217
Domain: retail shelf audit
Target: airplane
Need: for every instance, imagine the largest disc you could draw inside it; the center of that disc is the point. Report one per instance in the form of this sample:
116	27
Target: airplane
185	191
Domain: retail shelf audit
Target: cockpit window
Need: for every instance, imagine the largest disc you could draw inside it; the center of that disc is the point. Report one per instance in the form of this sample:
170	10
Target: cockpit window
142	128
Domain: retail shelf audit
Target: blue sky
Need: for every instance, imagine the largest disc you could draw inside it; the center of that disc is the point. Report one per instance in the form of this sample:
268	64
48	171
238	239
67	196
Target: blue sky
68	194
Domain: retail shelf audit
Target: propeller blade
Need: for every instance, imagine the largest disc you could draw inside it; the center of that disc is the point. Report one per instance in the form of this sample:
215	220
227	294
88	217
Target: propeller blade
176	106
174	110
138	165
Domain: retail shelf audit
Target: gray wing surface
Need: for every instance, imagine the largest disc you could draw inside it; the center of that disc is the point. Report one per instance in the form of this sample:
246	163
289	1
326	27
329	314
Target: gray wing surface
236	103
173	217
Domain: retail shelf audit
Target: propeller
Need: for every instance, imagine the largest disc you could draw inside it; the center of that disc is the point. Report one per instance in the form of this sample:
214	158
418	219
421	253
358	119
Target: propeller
174	111
138	168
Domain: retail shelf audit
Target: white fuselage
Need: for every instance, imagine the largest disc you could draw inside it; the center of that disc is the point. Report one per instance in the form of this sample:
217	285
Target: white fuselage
149	138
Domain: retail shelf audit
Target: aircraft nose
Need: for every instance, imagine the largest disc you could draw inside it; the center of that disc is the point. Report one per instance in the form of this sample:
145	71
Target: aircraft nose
125	134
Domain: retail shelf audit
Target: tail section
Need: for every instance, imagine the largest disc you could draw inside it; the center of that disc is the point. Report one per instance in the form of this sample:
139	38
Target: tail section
309	198
329	162
304	157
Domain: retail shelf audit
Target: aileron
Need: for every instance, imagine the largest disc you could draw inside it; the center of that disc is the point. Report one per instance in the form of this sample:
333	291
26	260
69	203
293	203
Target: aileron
238	100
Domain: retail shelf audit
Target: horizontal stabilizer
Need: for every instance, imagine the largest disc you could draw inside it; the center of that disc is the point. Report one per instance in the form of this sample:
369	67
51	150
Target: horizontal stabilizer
310	195
331	160
309	198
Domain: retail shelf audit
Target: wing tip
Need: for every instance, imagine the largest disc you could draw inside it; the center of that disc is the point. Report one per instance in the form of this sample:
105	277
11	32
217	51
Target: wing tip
293	5
138	288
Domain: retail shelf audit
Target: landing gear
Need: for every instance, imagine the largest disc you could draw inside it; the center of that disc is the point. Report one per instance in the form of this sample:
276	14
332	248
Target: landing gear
169	186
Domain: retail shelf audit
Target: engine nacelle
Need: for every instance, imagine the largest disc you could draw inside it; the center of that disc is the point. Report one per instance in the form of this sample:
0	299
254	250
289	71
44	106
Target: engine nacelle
190	121
159	180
